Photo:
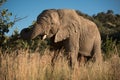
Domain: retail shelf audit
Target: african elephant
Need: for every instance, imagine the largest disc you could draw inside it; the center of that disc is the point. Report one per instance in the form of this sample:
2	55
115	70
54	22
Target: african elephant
82	35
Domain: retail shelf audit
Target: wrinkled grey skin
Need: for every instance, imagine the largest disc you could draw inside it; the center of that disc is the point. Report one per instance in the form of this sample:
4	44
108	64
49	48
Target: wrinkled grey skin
82	35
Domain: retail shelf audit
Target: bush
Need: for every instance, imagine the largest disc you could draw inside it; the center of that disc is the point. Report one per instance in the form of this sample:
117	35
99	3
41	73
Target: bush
109	46
5	25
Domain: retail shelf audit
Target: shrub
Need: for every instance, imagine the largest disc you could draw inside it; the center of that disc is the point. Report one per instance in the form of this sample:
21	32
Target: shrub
109	47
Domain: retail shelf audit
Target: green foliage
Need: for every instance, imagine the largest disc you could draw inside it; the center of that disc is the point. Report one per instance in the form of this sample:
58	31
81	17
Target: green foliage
2	1
109	47
5	25
15	43
109	24
37	45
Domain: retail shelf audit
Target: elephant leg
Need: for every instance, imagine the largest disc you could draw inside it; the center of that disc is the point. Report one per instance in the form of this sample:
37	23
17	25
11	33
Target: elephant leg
97	51
73	51
56	54
73	60
81	60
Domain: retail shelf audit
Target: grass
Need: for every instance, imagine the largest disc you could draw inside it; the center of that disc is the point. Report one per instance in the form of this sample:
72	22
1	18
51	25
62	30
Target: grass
33	66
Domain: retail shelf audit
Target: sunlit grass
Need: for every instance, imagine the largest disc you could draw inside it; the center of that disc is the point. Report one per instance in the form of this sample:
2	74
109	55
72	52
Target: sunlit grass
33	66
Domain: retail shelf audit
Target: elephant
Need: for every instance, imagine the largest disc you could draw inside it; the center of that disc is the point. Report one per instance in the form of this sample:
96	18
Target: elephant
81	35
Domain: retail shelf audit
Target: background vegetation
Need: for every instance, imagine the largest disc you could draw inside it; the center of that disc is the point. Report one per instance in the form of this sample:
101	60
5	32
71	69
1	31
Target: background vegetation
22	60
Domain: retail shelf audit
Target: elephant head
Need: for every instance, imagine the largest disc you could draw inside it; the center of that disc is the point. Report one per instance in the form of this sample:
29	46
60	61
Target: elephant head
48	23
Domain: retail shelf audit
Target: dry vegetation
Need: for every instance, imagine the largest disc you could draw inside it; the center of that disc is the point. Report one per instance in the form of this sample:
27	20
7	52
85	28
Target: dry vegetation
33	66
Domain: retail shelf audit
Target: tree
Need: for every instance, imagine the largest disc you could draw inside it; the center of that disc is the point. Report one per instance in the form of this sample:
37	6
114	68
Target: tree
5	23
2	1
110	12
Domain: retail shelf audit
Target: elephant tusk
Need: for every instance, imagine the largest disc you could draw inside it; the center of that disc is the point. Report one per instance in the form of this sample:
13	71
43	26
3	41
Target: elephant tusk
44	37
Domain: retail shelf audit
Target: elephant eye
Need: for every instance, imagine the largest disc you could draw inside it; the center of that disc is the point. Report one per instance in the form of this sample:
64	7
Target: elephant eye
52	23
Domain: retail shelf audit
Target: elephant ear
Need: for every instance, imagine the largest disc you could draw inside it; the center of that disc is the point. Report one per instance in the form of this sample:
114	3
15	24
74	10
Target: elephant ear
62	34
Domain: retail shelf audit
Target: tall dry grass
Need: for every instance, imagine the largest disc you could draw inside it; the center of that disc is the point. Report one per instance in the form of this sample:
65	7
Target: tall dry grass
33	66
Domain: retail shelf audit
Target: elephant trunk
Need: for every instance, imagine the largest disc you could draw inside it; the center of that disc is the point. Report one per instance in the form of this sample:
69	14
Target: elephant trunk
41	27
31	33
26	34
